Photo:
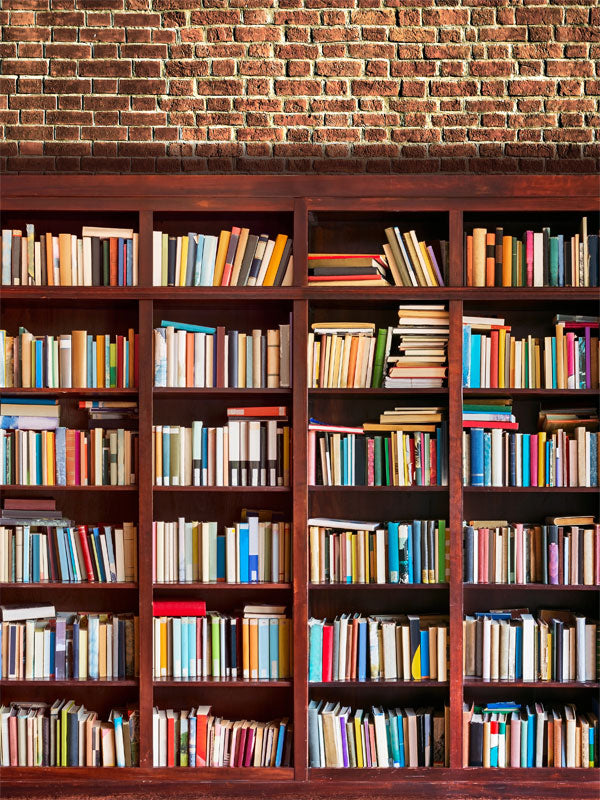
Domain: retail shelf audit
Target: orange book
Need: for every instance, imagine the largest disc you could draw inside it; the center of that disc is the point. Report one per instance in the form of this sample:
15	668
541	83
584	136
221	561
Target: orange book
189	359
100	358
49	259
113	245
469	260
70	443
253	649
275	259
352	361
246	649
490	258
64	259
79	359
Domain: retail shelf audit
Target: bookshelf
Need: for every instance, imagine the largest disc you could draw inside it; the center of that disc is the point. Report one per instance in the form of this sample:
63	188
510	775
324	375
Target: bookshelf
319	212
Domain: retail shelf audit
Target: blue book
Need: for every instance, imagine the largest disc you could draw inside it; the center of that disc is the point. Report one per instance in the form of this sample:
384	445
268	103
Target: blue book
111	552
475	361
52	647
518	653
185	655
38	459
30	401
403	536
166	449
487	458
416	551
274	649
26	555
75	652
525	445
530	736
409	555
466	363
96	534
71	555
253	548
221	558
424	655
263	649
198	261
120	263
362	650
192	650
129	262
61	456
393	552
185	326
315	650
204	462
392	727
39	364
62	556
280	739
401	756
244	544
476	446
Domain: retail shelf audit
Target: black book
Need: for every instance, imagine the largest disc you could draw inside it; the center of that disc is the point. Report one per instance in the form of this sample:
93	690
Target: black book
360	461
344	271
232	361
421	737
96	262
16	259
476	741
171	256
251	243
43	266
283	264
122	666
105	262
568	265
498	260
72	737
594	255
557	649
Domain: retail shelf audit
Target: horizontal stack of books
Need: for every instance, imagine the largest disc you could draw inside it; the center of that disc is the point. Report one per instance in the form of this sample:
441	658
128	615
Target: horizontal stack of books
496	359
400	450
378	648
417	355
58	552
67	735
394	737
352	551
513	645
534	259
53	455
77	359
189	645
205	357
101	257
234	258
256	550
564	452
253	449
197	738
39	643
348	269
565	551
536	735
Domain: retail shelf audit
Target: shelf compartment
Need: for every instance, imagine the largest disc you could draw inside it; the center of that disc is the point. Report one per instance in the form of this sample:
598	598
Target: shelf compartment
71	682
166	587
381	683
222	683
379	586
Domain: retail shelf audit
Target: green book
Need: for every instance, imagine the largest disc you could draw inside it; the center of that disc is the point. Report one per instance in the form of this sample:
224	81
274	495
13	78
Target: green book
377	377
105	262
113	365
482	407
63	732
442	550
553	264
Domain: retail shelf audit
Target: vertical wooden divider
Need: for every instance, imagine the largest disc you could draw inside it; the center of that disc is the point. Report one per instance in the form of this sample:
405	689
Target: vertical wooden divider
145	308
300	494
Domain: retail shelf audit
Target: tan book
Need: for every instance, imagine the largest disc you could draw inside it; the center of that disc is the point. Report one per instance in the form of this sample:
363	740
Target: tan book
389	257
64	259
79	358
239	256
479	256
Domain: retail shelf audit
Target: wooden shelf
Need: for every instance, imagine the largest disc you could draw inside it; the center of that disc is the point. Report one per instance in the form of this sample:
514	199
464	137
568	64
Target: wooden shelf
100	682
479	684
452	199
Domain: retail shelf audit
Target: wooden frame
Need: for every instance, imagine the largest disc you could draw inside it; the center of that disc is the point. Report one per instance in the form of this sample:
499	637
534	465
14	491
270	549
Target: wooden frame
32	196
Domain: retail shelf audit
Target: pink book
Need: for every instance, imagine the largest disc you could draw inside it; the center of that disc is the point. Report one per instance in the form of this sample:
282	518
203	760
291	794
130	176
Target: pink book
371	462
481	534
486	555
312	476
533	459
474	423
570	361
529	256
154	552
519	578
77	458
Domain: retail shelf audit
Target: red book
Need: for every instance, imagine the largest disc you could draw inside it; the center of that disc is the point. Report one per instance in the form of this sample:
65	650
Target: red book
70	446
249	747
179	608
475	423
327	653
113	246
494	359
258	411
240	746
170	739
87	559
78	458
481	538
27	503
433	461
120	362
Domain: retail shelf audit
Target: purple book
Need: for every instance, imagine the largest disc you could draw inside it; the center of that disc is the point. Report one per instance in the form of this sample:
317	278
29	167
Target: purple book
435	265
367	743
342	718
61	644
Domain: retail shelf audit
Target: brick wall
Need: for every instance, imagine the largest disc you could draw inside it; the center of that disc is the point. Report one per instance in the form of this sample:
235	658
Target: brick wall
300	85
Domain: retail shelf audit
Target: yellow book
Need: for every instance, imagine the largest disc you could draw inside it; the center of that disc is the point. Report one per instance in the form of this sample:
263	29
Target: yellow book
358	736
353	564
507	261
541	458
427	260
51	458
501	357
284	647
158	456
163	647
224	238
275	259
366	557
246	649
513	348
183	260
64	259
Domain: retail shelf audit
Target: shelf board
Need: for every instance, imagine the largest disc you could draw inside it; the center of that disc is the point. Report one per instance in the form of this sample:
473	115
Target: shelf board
55	488
479	683
378	586
571	393
77	586
549	587
374	392
105	683
530	489
182	391
226	683
166	587
237	489
377	488
381	683
72	392
149	774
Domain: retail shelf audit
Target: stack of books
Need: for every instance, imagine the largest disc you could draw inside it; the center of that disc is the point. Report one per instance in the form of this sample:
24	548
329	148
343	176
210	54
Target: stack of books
564	452
189	645
103	411
535	259
39	643
352	551
394	737
514	645
234	258
400	450
535	735
256	550
416	353
197	738
348	269
492	358
67	735
345	355
565	551
54	551
378	648
205	357
37	451
253	449
77	359
101	257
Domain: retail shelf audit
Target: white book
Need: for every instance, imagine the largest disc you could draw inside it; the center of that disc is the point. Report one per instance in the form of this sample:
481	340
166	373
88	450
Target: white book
208	260
538	259
528	647
157	258
487	649
497	460
180	354
199	354
87	261
380	737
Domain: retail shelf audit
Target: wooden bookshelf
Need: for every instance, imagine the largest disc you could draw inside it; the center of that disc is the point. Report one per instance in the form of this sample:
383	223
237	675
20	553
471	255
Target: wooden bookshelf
323	209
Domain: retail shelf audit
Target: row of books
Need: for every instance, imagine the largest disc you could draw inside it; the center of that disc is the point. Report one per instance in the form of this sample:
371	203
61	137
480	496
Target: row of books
65	734
205	357
244	452
197	738
254	550
567	360
39	643
345	355
73	554
77	359
253	646
402	454
339	736
564	552
100	257
234	258
534	735
68	457
515	645
504	458
353	551
353	647
536	259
